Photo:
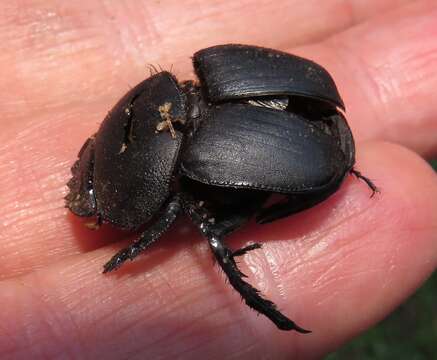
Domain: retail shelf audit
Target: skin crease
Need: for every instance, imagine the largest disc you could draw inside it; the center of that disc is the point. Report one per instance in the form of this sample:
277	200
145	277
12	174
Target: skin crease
336	269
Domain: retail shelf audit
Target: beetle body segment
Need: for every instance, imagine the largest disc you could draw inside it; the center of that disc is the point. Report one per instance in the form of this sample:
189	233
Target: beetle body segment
262	148
259	122
240	71
132	166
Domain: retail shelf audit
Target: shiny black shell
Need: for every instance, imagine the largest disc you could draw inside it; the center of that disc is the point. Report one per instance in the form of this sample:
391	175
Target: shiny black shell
132	163
241	71
290	139
264	149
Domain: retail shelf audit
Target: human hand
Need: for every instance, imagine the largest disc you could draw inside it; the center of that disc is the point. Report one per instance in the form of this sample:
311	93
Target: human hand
335	269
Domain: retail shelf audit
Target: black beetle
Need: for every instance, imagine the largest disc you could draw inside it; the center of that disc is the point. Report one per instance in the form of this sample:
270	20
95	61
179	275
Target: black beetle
258	122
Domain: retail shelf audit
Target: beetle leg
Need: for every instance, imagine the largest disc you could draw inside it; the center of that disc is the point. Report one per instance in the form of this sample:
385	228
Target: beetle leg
225	258
369	182
291	205
246	249
149	236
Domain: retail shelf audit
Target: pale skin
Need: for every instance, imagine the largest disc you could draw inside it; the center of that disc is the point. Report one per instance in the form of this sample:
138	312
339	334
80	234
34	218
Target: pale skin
336	269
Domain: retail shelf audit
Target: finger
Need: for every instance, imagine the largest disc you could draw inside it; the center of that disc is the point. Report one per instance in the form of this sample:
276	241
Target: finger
35	161
385	69
336	269
78	53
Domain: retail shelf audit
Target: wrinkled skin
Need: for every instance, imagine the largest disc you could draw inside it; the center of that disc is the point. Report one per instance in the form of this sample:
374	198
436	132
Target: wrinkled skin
339	267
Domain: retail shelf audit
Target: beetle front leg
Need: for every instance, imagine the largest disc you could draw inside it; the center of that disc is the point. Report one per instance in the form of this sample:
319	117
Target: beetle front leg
225	257
149	236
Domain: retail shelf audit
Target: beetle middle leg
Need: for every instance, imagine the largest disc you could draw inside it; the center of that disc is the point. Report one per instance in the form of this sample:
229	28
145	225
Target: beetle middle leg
150	235
214	232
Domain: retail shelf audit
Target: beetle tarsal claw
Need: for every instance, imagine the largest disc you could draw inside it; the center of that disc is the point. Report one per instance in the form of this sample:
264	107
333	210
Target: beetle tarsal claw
246	249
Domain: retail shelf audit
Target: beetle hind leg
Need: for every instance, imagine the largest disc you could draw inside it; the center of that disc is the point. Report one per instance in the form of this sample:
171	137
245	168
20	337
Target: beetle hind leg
149	236
369	182
225	257
246	249
292	204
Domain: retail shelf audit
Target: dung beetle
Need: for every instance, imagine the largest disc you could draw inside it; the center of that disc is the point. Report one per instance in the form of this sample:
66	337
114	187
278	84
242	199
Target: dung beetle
257	122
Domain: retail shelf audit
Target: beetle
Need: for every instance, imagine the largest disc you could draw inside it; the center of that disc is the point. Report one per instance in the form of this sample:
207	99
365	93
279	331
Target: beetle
258	122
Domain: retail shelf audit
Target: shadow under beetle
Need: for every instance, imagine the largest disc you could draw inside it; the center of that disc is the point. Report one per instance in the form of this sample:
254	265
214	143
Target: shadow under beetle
258	122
